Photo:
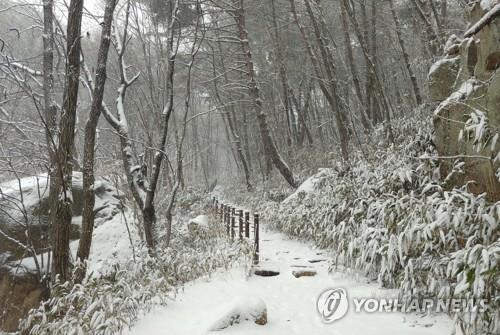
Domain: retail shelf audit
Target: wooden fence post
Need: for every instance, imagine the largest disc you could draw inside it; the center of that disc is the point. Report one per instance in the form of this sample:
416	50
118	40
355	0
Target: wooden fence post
240	222
222	212
256	234
232	227
226	220
228	216
247	224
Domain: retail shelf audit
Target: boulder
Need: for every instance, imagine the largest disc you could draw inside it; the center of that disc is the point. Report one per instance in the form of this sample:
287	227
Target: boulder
20	285
244	310
441	75
467	81
199	226
31	214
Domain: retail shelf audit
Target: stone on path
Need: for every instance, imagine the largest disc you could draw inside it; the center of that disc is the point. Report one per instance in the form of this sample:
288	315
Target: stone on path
304	273
266	273
248	309
267	270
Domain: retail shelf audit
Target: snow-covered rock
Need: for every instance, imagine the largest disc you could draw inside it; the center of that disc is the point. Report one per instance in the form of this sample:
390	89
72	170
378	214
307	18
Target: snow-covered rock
201	221
199	226
25	203
245	309
441	74
309	185
304	273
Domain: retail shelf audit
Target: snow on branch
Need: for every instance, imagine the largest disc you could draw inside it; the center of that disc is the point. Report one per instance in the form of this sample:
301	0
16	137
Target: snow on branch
485	20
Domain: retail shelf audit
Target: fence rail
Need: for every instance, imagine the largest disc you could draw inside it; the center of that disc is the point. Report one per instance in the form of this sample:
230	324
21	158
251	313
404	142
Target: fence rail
238	221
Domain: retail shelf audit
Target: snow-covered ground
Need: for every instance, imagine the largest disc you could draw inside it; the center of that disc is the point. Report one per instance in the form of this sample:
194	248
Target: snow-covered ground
291	302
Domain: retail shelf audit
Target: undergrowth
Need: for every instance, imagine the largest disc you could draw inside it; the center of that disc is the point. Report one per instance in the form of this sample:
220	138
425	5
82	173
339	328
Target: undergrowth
389	216
109	303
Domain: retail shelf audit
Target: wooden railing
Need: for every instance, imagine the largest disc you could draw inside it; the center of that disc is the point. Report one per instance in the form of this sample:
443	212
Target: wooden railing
238	223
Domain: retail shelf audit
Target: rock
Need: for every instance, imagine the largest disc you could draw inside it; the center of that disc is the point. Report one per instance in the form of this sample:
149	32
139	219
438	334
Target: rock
304	273
266	273
35	194
466	82
199	225
452	46
20	288
267	270
250	309
441	74
312	183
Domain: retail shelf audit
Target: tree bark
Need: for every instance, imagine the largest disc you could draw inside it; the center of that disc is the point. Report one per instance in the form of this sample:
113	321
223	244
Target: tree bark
61	212
89	141
50	106
329	67
352	65
432	37
291	121
229	113
406	58
254	92
149	212
374	73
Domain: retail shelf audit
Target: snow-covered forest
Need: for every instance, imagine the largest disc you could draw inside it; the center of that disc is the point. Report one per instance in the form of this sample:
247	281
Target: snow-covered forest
191	167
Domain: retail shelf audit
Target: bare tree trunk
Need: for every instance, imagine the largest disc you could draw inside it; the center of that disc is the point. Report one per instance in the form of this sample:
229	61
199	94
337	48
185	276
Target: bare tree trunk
444	14
196	44
229	113
292	123
89	141
254	92
149	213
373	70
61	212
50	106
372	46
406	58
246	141
330	91
352	64
432	37
329	67
302	112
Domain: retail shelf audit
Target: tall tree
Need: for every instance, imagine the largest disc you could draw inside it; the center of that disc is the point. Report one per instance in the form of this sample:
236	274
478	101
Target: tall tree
61	211
325	73
270	148
406	57
89	139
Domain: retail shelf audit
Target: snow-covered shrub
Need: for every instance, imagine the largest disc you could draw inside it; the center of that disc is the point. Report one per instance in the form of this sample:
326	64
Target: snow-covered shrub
389	217
109	303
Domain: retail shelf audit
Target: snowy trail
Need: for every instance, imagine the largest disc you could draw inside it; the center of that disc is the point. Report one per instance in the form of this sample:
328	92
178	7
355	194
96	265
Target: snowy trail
291	302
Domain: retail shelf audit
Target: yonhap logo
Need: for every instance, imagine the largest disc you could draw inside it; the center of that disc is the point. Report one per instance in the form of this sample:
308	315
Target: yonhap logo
333	304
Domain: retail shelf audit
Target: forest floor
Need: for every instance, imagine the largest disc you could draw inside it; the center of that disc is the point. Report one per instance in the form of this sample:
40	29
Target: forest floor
291	302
